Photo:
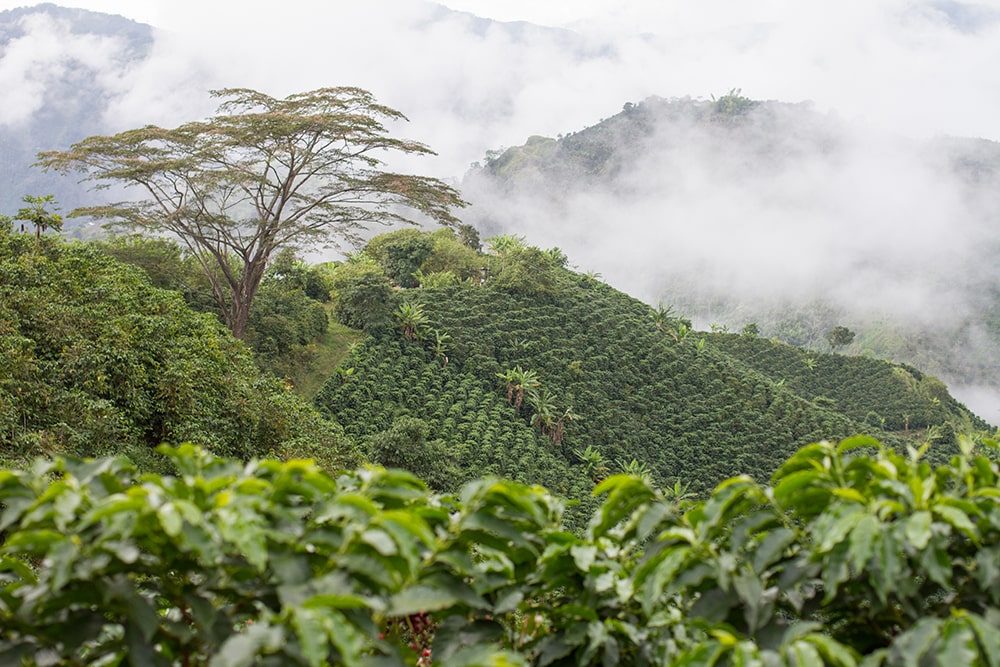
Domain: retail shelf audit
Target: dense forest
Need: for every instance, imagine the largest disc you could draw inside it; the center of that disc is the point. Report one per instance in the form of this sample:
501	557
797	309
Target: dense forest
98	361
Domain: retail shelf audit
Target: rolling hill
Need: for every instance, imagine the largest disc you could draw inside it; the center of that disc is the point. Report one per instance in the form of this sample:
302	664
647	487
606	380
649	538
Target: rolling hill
737	210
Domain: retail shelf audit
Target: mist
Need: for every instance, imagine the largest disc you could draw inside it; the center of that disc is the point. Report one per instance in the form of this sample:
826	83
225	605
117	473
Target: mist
859	206
767	215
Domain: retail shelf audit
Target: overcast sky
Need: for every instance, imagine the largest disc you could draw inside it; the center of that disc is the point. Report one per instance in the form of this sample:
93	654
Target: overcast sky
920	67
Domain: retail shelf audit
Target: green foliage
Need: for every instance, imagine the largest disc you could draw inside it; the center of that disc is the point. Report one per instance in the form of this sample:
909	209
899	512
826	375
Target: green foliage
528	270
405	446
876	393
636	387
362	296
732	104
261	175
284	319
96	359
167	266
401	254
293	273
436	279
839	336
36	213
453	253
852	556
412	320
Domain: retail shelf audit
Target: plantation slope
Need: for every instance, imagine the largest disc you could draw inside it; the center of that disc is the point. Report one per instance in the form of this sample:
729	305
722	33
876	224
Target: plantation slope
880	394
687	412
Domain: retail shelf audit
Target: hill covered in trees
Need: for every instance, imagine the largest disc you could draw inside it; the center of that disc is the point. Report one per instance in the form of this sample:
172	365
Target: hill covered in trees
534	372
737	210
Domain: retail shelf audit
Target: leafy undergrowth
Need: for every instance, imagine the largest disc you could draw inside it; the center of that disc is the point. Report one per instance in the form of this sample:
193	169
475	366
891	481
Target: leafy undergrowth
844	559
308	367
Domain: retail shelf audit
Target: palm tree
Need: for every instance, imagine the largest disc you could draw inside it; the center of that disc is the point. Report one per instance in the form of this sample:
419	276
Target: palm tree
517	381
439	343
505	244
413	320
679	494
636	469
543	403
509	378
594	463
560	426
662	315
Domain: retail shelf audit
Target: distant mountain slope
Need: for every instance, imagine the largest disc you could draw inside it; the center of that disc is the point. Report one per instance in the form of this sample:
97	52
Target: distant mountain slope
876	393
736	210
60	59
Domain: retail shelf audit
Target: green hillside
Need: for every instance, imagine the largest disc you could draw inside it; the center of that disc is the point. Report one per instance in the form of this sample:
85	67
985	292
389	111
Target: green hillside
700	197
524	370
879	394
611	385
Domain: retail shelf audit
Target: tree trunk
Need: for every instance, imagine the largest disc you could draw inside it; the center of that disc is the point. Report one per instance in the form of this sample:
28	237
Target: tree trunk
238	314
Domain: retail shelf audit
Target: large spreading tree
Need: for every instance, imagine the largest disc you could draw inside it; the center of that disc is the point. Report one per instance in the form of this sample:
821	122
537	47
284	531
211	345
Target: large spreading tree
263	174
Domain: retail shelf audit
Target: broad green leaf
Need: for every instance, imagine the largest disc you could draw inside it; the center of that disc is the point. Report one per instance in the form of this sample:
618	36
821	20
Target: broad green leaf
420	598
33	541
844	519
170	519
248	537
847	493
241	650
312	636
857	442
348	640
888	566
771	548
835	570
583	556
804	654
863	539
959	520
958	644
381	541
912	645
788	486
18	567
918	529
988	637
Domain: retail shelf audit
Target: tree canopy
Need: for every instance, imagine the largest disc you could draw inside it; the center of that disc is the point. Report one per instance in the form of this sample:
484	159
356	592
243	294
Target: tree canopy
94	359
261	175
